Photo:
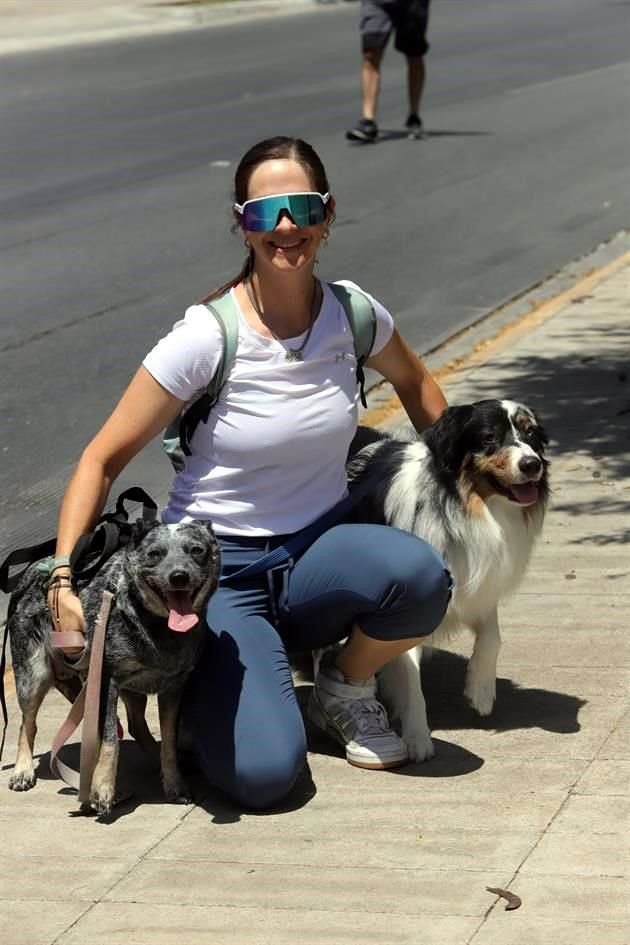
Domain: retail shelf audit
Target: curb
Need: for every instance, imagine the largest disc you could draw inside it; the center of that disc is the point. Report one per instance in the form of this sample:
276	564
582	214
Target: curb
39	33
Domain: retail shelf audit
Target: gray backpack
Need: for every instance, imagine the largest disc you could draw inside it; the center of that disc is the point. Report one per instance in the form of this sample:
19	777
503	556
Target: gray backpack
177	436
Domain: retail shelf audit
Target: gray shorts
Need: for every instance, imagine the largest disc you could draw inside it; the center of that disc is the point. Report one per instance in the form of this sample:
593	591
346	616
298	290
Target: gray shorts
407	18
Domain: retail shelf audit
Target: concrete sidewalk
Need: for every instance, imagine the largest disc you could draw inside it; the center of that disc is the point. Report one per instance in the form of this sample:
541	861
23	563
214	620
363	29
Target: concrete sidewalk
535	799
27	25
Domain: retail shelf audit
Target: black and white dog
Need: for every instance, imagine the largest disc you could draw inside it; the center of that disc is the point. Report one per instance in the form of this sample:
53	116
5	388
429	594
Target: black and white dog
162	581
475	486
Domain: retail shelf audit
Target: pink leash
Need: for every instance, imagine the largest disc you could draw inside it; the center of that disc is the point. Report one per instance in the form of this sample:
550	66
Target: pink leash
86	706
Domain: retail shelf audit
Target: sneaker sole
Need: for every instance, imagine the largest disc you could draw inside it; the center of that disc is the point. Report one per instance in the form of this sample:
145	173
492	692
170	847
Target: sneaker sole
361	138
377	766
321	723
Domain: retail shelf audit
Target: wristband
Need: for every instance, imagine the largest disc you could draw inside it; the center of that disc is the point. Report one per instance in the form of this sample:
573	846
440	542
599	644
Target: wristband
63	561
48	565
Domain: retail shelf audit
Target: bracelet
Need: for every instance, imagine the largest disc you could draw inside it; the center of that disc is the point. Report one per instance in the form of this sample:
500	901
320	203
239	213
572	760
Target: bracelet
60	580
55	584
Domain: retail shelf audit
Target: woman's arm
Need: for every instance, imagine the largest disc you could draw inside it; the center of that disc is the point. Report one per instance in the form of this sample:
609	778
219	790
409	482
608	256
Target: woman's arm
419	393
142	412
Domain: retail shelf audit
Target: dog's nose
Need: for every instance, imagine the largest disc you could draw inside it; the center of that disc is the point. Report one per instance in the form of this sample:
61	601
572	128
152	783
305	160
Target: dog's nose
179	578
529	465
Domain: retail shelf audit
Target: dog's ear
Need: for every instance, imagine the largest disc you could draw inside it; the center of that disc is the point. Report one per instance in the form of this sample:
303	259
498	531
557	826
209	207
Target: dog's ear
139	530
448	439
542	433
207	524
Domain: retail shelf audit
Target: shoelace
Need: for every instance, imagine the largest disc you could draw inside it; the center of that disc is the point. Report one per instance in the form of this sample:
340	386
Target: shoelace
370	716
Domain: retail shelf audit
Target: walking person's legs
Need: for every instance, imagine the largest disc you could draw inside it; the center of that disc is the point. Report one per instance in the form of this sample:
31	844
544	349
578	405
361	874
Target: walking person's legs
416	75
371	82
375	28
411	40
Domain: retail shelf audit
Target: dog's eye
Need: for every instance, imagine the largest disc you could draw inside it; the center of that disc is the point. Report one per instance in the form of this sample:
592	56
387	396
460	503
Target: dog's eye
197	551
489	440
155	555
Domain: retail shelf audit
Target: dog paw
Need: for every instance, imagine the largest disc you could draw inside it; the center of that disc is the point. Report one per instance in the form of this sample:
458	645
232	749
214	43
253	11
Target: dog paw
177	793
419	745
22	781
102	801
481	695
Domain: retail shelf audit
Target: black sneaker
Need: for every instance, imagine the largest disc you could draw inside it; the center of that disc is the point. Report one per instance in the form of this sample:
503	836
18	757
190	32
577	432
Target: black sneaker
414	127
365	130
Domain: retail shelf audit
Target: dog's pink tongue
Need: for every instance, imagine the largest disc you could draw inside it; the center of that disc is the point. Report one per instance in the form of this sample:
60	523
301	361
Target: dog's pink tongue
525	494
181	616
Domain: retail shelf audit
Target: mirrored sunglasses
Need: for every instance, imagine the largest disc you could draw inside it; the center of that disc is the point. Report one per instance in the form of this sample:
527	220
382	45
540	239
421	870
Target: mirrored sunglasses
262	215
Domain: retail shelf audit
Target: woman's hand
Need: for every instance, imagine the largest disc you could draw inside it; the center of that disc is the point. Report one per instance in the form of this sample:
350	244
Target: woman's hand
65	608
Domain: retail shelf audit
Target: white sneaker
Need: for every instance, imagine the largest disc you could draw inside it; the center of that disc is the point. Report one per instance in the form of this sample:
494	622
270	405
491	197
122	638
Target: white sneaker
353	716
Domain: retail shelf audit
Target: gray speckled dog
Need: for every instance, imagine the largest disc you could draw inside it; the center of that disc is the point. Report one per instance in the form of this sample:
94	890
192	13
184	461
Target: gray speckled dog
162	581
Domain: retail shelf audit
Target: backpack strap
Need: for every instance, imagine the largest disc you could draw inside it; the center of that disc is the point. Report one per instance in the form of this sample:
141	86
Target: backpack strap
224	311
362	320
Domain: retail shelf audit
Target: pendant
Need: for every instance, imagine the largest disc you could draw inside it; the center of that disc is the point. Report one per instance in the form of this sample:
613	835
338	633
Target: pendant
292	355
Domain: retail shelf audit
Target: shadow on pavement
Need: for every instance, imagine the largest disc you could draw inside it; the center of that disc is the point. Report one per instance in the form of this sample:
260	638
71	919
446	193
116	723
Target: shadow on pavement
453	760
225	811
397	134
450	761
138	781
443	676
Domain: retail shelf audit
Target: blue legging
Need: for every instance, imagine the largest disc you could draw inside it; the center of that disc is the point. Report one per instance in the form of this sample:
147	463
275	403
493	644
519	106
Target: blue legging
240	704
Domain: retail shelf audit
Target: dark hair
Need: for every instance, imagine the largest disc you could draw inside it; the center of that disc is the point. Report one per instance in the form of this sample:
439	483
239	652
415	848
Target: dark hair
280	148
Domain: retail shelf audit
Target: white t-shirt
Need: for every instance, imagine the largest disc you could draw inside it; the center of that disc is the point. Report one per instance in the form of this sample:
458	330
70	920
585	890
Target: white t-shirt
271	458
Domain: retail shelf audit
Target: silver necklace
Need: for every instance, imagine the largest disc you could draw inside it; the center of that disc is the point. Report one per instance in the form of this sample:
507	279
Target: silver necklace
290	354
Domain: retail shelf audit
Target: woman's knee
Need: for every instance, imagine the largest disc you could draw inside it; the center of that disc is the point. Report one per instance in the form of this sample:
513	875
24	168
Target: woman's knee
256	769
265	781
412	563
430	596
424	572
417	589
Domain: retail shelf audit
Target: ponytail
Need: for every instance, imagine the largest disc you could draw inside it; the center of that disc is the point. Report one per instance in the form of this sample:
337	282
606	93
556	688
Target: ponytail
246	271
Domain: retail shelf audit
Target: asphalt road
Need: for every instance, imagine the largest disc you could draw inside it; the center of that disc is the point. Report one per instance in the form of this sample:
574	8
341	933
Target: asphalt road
115	178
